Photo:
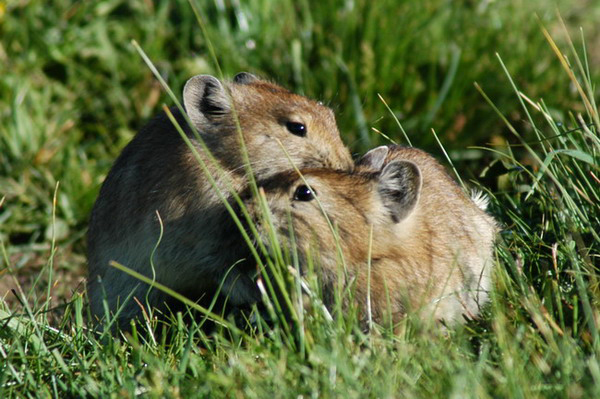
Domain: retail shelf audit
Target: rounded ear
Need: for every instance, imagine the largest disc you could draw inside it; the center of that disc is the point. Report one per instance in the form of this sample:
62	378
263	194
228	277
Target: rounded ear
205	100
244	78
400	187
374	159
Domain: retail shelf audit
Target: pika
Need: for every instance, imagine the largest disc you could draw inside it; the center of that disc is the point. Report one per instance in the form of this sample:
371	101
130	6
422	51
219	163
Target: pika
157	182
430	245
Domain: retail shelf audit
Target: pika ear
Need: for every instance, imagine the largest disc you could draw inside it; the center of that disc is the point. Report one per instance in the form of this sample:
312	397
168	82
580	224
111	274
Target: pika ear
374	159
400	188
244	78
205	99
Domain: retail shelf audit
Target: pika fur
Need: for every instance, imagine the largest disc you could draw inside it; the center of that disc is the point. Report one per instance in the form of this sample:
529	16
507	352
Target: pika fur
157	173
431	248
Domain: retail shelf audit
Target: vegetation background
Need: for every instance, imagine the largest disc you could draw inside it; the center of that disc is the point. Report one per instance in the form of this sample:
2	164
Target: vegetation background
73	92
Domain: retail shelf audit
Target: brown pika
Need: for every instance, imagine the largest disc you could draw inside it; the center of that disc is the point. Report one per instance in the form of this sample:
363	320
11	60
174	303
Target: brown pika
431	246
157	174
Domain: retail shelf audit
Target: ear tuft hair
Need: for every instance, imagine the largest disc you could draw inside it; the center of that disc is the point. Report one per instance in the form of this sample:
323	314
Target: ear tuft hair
400	187
374	159
244	78
205	99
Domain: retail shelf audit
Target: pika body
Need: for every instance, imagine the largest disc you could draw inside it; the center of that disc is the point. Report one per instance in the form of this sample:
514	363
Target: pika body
157	183
430	244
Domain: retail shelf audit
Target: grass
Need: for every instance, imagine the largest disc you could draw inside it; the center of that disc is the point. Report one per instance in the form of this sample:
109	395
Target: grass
73	91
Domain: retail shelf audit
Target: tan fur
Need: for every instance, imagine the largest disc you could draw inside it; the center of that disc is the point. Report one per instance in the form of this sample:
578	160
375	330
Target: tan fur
157	172
432	246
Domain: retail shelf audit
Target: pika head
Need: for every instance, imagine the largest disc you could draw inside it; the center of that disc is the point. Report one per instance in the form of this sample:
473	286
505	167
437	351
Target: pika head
399	228
274	124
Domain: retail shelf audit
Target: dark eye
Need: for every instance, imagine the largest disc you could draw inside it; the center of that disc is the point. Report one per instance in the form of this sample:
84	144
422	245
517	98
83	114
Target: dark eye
303	193
296	128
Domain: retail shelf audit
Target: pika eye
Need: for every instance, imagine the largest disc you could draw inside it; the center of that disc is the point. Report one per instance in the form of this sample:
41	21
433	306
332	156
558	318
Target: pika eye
296	128
303	193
